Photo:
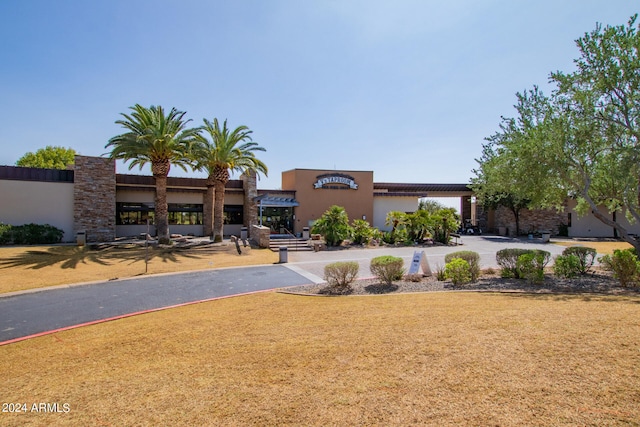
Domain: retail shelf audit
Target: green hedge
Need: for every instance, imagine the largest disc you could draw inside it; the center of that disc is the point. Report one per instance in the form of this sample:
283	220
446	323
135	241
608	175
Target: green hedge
30	234
472	258
507	259
387	268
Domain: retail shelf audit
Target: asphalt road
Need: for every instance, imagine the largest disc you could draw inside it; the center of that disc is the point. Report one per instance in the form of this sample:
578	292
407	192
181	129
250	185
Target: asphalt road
34	313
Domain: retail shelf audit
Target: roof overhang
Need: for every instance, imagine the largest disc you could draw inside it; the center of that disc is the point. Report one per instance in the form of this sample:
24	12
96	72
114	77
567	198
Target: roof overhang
268	201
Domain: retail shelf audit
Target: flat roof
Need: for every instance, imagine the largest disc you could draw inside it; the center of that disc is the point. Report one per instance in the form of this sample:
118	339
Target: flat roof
407	187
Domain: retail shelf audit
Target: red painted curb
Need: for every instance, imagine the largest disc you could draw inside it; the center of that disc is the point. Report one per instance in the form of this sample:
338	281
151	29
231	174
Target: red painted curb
124	316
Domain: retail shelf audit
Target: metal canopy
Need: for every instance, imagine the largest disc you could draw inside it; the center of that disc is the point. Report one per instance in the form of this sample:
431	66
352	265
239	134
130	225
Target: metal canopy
268	201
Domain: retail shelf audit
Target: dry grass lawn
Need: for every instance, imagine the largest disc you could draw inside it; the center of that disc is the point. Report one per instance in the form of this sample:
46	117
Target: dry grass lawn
602	247
273	359
32	267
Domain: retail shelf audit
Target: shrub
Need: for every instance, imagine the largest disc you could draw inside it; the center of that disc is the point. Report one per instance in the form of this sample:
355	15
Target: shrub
508	260
30	234
567	266
625	266
387	268
586	256
340	275
440	274
458	271
333	225
444	222
362	232
530	266
472	258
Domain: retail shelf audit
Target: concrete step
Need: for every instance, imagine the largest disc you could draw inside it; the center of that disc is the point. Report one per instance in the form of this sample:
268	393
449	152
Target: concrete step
291	244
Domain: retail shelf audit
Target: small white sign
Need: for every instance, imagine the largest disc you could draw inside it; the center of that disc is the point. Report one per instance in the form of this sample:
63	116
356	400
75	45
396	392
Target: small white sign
420	261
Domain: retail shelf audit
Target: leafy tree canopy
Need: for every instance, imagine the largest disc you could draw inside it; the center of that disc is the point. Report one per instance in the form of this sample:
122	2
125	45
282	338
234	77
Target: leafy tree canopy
582	141
50	157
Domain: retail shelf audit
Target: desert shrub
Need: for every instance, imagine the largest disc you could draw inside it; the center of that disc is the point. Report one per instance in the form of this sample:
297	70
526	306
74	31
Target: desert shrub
443	223
362	232
458	271
530	266
472	258
507	259
340	275
333	225
567	266
30	234
625	266
586	256
387	268
440	274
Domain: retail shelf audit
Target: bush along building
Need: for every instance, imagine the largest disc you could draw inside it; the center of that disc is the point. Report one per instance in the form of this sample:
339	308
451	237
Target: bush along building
92	198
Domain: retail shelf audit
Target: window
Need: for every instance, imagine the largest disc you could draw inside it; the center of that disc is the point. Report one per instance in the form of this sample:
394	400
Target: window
233	214
138	213
133	213
185	214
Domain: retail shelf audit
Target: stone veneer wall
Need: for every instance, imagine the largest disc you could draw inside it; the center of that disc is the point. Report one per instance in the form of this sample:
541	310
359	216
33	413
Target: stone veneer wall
530	220
94	198
260	235
250	207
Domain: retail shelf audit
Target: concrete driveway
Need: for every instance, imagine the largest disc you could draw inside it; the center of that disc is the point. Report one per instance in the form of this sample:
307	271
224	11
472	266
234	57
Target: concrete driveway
313	262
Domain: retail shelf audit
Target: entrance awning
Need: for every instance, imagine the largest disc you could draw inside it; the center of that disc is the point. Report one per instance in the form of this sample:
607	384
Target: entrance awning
268	201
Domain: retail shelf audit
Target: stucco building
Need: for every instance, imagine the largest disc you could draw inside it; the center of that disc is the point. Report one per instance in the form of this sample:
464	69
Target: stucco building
93	198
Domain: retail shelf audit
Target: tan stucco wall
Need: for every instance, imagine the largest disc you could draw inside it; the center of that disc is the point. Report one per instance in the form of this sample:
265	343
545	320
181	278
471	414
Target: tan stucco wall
589	225
314	202
383	205
25	202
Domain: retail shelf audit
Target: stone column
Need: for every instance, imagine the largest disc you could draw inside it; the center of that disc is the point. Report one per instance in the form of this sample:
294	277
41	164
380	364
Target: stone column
94	198
250	207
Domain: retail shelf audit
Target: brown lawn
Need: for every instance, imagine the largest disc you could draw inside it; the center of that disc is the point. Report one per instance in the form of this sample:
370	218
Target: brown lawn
273	359
602	247
31	267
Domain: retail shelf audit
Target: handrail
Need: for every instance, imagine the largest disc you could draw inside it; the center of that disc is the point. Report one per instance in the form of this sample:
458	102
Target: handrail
289	233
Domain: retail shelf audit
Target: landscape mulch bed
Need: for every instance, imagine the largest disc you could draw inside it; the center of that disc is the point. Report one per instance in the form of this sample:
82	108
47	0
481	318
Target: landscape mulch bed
597	281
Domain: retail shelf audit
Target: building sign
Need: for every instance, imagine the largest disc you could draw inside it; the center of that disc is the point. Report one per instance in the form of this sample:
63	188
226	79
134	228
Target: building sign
326	181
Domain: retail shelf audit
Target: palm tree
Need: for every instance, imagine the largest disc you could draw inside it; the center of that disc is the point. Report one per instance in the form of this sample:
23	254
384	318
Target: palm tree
226	150
160	140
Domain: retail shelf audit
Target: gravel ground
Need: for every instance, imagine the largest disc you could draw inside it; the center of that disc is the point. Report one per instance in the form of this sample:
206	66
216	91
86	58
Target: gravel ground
598	281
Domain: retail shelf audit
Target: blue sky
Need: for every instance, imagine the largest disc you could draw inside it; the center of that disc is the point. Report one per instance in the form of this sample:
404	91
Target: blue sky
408	89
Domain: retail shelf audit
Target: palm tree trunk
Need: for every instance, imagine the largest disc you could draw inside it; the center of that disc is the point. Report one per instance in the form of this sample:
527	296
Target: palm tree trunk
208	209
162	215
160	171
218	212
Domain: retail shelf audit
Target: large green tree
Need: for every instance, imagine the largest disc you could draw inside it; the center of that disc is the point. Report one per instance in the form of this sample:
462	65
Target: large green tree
50	157
161	140
219	151
583	140
507	174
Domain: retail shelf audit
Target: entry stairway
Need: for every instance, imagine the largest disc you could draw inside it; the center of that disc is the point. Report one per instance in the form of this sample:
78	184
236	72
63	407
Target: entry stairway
292	244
